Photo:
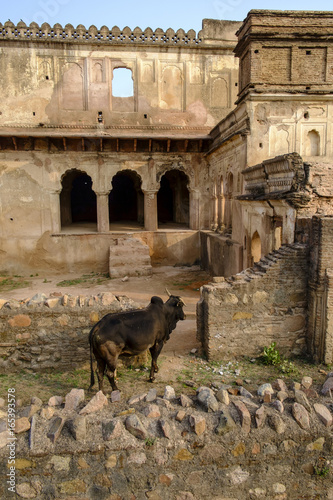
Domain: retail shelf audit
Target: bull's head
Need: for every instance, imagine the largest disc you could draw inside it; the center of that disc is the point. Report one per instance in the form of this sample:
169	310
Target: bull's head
180	300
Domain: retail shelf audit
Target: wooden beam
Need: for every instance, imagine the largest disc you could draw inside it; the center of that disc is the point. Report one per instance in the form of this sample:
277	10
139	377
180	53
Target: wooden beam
168	146
117	145
186	145
101	144
150	142
82	144
135	145
64	143
15	143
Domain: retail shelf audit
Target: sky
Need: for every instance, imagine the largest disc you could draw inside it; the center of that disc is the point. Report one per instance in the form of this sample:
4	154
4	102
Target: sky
186	14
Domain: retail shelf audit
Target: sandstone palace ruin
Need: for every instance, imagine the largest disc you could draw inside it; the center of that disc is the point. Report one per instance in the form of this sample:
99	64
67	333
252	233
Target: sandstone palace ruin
221	154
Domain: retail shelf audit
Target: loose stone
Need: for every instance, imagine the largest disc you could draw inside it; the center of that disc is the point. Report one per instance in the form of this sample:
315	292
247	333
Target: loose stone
73	399
244	416
169	393
22	425
95	404
198	424
223	396
265	388
226	423
323	414
135	427
301	415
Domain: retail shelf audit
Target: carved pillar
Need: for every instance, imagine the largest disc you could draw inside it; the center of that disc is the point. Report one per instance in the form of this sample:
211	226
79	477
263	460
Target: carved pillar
150	209
103	223
194	209
214	210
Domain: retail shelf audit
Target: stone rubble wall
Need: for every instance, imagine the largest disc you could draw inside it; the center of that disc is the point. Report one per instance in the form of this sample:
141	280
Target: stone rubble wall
44	332
224	443
320	330
260	305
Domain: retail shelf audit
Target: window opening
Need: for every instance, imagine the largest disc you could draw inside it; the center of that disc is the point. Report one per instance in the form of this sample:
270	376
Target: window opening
122	83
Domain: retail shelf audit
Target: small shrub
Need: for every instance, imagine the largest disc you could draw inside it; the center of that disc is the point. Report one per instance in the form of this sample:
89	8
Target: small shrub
149	441
271	355
321	469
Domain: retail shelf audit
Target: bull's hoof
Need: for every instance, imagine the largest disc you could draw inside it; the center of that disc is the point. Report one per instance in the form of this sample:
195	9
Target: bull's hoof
151	380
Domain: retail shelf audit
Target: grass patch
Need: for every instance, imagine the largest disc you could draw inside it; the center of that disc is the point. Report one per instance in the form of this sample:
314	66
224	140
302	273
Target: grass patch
12	283
87	279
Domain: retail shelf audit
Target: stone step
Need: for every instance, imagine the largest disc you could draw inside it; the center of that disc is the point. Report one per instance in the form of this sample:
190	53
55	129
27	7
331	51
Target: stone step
129	257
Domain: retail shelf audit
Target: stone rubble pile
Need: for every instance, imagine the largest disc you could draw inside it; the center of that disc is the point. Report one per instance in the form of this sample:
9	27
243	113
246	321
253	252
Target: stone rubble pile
236	432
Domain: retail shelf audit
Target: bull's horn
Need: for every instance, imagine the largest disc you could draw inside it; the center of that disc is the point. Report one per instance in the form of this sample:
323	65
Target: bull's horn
167	291
181	300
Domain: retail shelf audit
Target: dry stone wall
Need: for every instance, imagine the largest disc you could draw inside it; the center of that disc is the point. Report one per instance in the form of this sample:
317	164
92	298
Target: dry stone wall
260	305
221	443
44	332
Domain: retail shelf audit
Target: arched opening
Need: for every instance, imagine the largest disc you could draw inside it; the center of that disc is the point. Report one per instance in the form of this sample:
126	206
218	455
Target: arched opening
126	201
173	199
313	143
77	200
122	90
255	248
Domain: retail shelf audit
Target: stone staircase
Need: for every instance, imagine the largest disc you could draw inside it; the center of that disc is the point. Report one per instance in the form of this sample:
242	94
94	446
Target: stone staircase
267	262
129	257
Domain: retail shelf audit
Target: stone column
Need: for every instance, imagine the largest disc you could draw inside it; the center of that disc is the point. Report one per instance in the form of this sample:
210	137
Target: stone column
150	207
194	209
103	223
55	211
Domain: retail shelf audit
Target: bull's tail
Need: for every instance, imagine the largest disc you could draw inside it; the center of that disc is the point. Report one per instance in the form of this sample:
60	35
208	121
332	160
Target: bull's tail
92	377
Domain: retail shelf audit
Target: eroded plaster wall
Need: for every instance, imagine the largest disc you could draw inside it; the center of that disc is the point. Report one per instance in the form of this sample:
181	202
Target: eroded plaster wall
64	76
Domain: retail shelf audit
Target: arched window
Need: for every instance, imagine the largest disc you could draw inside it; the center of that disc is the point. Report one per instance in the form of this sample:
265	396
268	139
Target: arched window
122	82
77	199
256	247
122	90
126	201
173	199
313	143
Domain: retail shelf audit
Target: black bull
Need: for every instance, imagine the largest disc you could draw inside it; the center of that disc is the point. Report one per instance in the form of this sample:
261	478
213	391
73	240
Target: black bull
131	333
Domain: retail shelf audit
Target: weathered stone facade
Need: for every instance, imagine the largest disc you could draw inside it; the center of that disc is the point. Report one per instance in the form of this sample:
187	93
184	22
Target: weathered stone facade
88	166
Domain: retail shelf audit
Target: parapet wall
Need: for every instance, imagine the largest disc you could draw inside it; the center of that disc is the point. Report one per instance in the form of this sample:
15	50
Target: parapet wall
44	333
268	303
213	31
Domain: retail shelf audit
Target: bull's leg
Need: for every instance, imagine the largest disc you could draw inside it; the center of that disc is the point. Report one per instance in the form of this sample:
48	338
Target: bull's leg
100	373
111	370
154	351
111	375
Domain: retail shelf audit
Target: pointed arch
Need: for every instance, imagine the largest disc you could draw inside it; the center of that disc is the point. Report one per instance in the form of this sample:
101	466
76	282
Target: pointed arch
255	247
126	200
313	143
173	198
